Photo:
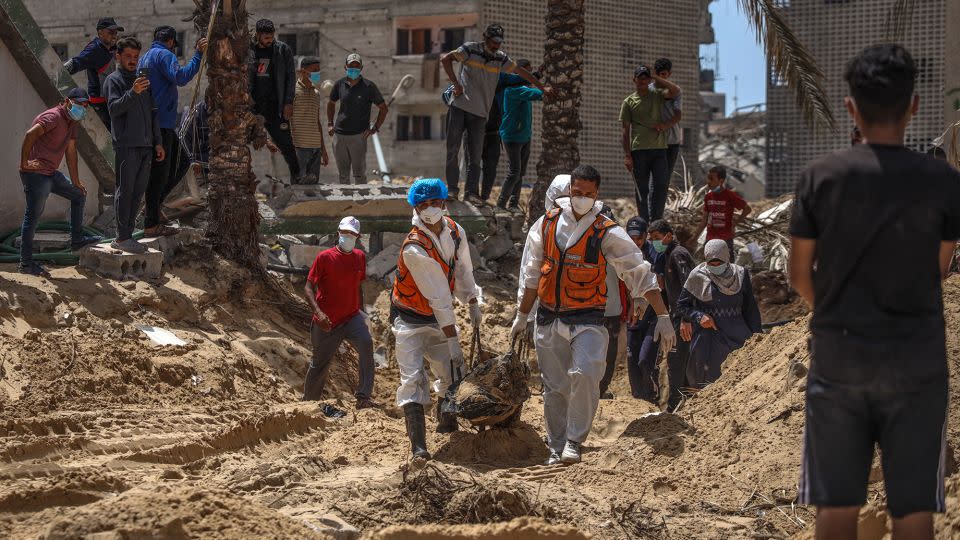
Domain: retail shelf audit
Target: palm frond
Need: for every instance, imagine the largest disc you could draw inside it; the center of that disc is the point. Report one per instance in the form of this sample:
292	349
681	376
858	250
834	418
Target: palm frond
899	15
791	60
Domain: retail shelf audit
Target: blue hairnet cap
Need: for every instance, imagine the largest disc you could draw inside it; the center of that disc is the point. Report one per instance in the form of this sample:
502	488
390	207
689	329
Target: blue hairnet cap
426	189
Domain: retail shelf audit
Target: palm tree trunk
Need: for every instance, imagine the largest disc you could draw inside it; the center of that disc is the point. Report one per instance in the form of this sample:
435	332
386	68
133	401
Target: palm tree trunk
563	63
233	226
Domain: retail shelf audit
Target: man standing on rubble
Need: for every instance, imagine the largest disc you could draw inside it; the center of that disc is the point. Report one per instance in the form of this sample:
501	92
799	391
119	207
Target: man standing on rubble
568	252
434	266
333	290
95	59
472	94
356	95
52	136
272	84
878	368
166	75
644	140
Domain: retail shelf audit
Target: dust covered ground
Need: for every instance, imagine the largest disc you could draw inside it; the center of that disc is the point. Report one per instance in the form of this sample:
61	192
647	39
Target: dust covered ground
103	432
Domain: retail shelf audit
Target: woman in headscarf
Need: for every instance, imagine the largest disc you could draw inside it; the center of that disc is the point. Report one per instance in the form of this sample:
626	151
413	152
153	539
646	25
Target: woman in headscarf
718	298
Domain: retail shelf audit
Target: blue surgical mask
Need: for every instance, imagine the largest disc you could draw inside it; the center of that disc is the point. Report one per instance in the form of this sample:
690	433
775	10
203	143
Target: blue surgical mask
353	73
717	270
346	242
77	112
717	189
659	246
315	77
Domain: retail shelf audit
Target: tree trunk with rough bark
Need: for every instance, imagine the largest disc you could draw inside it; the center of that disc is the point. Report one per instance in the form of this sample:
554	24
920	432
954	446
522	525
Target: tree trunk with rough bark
233	227
563	62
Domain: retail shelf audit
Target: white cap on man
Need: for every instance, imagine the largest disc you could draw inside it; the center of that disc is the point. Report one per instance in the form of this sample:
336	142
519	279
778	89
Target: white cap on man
350	224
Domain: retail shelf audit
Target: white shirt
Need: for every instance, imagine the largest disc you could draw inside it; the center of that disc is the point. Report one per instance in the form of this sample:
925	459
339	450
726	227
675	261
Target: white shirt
430	278
618	248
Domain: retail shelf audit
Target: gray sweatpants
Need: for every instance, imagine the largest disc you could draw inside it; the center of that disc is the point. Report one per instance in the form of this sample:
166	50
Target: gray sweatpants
350	151
325	346
133	174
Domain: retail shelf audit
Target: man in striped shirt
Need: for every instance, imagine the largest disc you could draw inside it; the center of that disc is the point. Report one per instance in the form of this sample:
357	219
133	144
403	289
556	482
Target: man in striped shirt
305	125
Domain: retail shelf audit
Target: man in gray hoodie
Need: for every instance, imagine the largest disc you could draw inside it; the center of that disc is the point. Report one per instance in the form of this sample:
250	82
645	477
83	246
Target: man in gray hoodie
136	138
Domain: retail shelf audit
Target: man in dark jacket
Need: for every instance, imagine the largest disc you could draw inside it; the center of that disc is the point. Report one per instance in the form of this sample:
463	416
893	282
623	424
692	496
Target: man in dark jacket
136	139
273	85
95	59
673	266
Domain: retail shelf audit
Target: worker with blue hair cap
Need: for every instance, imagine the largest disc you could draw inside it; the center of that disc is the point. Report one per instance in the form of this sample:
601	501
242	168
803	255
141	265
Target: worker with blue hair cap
433	268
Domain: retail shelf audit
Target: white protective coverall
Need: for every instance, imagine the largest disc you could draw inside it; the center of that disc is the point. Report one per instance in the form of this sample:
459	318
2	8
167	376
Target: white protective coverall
572	358
416	342
559	188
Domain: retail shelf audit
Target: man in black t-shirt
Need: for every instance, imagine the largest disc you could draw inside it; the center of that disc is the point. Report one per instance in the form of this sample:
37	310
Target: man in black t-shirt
356	94
878	370
273	84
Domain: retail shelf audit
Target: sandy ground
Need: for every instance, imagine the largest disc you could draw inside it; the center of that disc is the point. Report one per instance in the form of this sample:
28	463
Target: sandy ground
104	432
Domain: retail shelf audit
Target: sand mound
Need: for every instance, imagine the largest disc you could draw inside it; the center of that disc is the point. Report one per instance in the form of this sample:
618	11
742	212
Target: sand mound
176	513
516	446
517	529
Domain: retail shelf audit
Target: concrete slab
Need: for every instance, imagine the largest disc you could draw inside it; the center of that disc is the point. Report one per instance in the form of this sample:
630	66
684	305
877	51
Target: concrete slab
384	262
117	264
302	255
47	240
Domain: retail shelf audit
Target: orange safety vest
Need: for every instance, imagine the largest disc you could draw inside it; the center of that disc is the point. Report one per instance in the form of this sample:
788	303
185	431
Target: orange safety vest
406	298
575	279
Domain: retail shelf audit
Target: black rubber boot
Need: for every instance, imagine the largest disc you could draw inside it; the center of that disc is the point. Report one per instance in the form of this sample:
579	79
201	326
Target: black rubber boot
416	429
446	422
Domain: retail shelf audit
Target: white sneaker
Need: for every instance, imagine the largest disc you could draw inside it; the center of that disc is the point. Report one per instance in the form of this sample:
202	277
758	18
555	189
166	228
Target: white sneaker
571	453
554	458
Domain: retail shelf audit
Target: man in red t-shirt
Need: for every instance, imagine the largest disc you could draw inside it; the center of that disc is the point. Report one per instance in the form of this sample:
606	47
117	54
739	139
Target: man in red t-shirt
719	209
333	290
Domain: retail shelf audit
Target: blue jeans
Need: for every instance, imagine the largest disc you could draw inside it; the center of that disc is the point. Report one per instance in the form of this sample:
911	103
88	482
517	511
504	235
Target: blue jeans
36	188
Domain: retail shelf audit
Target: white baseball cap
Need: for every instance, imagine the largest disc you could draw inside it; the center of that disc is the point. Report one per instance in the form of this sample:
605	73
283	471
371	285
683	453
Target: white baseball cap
351	224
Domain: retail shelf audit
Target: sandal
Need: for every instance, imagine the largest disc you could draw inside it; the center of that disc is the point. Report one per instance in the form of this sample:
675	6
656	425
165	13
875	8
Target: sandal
159	230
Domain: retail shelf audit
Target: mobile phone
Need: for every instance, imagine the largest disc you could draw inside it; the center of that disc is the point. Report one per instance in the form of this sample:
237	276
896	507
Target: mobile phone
143	72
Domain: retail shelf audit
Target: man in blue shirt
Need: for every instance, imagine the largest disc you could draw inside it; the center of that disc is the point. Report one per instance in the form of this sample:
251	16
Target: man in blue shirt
166	75
95	59
516	130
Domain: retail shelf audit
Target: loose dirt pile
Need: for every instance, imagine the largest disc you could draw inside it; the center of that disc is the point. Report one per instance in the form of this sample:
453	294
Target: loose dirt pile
105	432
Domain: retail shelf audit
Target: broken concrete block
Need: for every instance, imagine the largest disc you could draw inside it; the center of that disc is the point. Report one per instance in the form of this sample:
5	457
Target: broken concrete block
303	255
496	246
391	238
384	262
169	245
117	264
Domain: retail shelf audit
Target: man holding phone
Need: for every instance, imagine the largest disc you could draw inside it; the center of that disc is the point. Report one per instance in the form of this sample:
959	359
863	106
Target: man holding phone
136	138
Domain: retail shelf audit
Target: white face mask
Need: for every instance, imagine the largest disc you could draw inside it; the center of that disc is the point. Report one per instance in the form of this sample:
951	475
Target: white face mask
581	205
346	242
431	215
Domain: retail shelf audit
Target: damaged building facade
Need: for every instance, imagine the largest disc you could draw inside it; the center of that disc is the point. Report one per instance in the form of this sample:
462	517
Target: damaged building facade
836	30
406	37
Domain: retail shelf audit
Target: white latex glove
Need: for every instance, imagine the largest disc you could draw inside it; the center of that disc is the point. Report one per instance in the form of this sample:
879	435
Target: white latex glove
456	352
476	316
519	325
664	333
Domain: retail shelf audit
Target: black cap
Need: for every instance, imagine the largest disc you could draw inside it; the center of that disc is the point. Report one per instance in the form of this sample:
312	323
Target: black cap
165	33
641	71
78	95
494	32
265	26
636	226
107	23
